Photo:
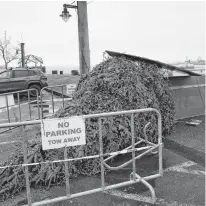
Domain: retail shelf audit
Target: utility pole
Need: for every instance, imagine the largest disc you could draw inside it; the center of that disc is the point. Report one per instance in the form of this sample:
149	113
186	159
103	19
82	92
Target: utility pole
83	33
84	52
22	56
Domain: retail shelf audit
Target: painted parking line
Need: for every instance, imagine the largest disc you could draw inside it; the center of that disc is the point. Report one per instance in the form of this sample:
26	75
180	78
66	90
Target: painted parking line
138	197
3	120
57	100
182	168
145	199
15	106
14	118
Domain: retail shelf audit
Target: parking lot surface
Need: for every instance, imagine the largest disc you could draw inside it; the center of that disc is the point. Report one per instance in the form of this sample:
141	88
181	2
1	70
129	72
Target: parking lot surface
182	184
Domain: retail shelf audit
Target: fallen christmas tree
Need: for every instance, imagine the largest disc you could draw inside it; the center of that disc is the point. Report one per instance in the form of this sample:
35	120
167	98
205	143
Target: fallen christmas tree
116	84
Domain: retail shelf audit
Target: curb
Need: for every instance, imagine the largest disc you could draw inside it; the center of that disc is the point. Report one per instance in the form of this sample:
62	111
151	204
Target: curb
56	93
184	151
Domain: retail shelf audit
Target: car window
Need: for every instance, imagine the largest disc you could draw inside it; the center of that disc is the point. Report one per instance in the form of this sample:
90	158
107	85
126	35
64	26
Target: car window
20	73
5	74
39	72
31	73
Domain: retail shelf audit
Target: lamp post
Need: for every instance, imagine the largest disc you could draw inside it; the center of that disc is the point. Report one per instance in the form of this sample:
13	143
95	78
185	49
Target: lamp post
22	56
84	52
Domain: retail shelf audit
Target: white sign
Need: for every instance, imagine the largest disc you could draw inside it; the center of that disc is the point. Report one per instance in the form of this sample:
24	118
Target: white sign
70	88
3	102
57	133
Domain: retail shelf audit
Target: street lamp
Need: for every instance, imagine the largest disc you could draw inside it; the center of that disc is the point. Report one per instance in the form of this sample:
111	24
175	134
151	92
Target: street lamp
84	52
65	14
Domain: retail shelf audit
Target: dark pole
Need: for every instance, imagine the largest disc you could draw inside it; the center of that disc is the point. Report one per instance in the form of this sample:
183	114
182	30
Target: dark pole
84	52
22	55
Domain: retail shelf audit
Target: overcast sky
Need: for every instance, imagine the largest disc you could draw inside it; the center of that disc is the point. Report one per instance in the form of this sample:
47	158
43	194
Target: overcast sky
164	31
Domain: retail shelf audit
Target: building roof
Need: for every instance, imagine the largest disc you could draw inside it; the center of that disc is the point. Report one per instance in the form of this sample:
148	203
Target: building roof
158	63
32	58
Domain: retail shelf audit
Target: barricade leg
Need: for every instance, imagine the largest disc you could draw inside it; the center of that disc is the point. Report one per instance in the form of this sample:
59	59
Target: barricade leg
132	176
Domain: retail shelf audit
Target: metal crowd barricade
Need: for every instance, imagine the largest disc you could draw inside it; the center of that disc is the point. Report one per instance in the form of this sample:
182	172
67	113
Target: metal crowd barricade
19	104
19	112
132	179
59	91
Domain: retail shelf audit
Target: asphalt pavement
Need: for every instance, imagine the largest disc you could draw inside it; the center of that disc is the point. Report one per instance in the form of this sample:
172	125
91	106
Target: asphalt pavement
182	184
183	181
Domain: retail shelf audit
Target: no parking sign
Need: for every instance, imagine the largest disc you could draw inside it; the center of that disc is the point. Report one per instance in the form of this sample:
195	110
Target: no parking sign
57	133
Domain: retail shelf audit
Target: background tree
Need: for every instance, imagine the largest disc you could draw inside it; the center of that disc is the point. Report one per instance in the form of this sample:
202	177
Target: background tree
8	52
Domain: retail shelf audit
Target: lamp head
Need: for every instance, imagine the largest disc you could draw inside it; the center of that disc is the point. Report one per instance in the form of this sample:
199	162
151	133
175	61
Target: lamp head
65	14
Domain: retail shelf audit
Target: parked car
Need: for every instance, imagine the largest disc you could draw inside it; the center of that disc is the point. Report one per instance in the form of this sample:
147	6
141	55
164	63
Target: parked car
21	79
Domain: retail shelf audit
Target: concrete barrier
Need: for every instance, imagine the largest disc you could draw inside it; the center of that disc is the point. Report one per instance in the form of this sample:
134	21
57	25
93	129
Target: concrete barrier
189	95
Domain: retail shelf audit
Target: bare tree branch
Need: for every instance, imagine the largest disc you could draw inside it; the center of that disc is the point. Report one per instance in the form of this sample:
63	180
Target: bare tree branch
7	51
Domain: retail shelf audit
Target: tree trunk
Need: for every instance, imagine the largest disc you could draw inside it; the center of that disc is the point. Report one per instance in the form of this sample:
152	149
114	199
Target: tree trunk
6	65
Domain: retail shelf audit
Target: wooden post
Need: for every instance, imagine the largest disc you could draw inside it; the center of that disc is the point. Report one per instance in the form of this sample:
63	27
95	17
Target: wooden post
84	52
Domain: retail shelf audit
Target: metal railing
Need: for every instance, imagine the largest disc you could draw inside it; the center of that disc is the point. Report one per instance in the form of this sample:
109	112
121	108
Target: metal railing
58	90
132	179
18	115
